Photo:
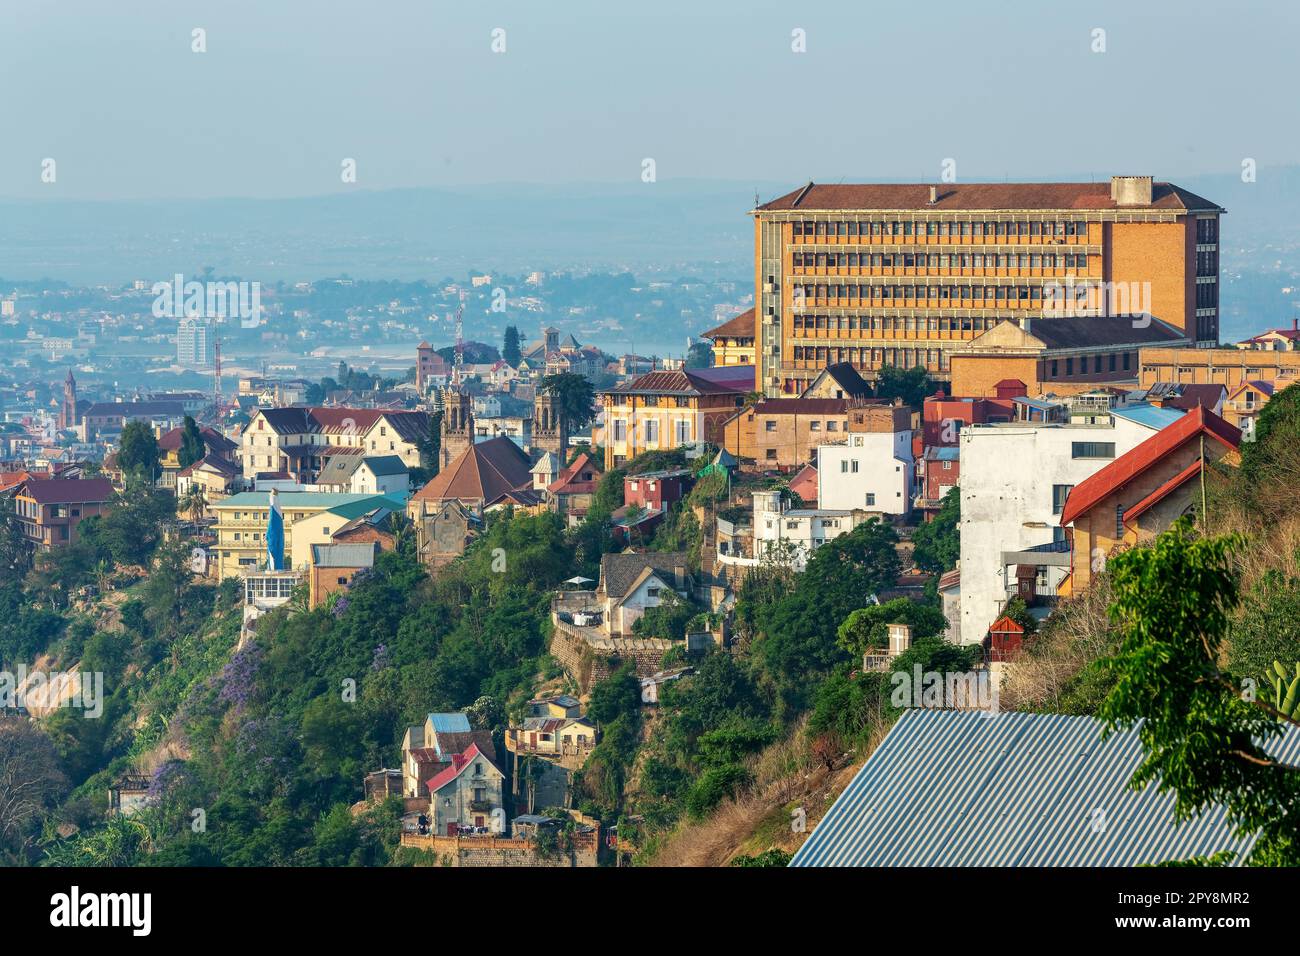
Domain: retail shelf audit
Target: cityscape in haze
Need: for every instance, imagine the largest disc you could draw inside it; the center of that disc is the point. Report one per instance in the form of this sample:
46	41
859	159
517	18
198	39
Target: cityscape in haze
596	436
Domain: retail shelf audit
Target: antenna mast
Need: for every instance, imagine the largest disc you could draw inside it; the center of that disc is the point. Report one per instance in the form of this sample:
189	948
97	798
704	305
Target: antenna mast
460	341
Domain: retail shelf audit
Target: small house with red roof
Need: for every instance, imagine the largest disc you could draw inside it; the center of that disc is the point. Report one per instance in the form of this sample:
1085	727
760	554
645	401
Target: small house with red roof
1142	492
1244	404
571	493
467	793
1275	340
1004	640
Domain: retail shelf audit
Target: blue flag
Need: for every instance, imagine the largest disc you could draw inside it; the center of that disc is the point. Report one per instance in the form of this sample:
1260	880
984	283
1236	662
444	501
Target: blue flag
275	535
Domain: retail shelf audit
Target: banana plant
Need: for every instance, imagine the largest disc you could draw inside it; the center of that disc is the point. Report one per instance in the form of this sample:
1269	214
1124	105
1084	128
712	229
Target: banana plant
1286	690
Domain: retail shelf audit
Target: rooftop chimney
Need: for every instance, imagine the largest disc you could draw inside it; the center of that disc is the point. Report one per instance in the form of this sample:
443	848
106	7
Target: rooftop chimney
1131	190
934	195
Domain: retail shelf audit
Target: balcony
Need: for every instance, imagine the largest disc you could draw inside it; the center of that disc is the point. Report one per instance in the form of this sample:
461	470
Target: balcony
481	806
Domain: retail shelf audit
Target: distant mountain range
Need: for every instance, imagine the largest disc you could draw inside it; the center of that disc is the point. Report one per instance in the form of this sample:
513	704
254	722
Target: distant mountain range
684	225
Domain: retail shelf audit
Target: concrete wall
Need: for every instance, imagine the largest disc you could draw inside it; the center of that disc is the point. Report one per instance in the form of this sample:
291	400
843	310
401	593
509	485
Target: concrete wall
1007	475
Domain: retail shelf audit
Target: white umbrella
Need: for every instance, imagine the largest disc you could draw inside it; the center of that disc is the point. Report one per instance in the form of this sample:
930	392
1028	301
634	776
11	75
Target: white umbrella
576	580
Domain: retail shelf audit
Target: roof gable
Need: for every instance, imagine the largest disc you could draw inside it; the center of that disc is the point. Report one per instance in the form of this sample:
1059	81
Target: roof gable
1134	462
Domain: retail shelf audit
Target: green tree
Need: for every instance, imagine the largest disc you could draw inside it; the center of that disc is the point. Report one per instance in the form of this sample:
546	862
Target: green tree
911	385
510	346
575	396
1270	462
937	542
868	627
193	446
137	451
1203	737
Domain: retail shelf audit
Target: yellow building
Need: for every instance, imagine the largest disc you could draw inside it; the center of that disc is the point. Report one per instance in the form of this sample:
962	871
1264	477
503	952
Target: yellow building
733	340
664	410
902	275
241	525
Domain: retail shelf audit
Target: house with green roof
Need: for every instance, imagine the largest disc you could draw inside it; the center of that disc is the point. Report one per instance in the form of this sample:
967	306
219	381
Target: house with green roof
310	517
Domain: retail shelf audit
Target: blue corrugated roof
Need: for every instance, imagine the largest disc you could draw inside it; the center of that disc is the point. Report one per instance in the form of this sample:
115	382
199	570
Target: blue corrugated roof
449	723
1150	415
962	788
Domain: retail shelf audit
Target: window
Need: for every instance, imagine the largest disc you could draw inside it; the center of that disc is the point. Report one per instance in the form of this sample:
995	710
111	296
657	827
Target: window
1119	521
1059	494
1092	449
652	431
771	454
871	499
769	425
620	430
814	426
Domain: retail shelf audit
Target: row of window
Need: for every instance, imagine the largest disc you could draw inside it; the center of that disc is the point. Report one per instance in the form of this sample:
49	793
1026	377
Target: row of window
932	359
934	260
821	294
812	324
1124	363
1207	231
650	431
938	227
1207	263
814	425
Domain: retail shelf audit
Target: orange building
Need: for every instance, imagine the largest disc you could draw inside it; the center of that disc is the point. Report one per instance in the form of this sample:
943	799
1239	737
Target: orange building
902	274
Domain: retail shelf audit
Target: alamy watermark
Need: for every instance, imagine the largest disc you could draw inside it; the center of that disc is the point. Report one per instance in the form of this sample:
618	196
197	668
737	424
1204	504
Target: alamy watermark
944	690
179	299
1069	299
39	690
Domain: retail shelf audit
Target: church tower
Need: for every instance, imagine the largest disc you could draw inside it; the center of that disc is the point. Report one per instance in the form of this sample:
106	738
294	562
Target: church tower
457	424
68	414
549	432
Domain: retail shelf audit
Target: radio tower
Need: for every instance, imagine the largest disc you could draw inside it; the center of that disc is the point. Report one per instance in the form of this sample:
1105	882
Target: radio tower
216	379
460	343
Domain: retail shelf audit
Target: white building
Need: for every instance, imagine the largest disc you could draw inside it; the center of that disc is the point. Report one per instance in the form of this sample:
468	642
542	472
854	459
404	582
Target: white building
192	347
1015	477
796	532
871	471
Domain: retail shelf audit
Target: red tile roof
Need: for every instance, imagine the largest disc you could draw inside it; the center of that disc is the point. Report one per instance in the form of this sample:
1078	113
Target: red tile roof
977	196
568	481
715	381
484	472
1134	462
1004	625
742	326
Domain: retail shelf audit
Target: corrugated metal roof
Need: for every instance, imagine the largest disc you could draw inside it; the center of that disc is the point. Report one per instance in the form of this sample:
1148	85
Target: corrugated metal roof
344	555
961	788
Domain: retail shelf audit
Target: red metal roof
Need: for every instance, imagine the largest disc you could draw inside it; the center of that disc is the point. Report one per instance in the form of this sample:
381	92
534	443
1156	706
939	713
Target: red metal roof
1134	462
453	770
1005	625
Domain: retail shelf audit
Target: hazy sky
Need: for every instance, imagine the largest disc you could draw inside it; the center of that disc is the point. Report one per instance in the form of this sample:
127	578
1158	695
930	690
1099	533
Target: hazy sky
412	90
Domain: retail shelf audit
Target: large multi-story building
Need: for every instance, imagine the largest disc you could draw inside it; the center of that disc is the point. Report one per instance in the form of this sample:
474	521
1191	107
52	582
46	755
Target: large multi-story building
901	275
193	348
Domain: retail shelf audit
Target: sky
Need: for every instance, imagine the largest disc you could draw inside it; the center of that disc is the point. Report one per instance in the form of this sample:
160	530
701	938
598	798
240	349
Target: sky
413	92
